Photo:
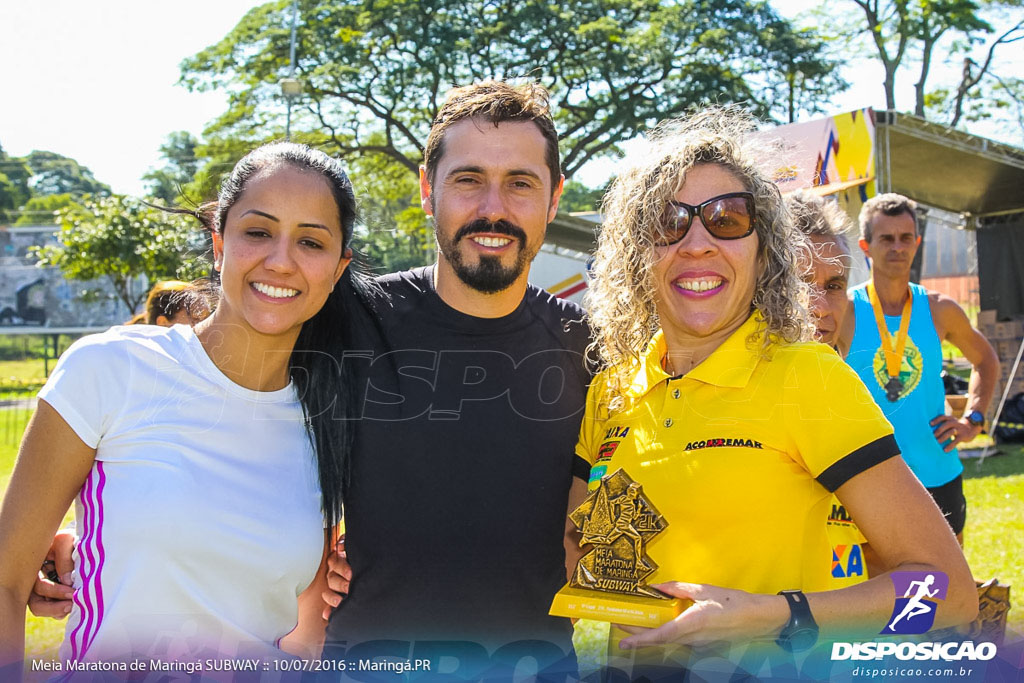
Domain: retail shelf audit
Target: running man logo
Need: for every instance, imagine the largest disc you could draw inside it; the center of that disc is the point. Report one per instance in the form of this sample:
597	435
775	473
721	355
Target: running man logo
914	612
847	560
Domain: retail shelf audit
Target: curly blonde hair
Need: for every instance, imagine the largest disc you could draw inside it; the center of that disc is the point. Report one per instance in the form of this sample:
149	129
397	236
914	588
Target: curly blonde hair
621	297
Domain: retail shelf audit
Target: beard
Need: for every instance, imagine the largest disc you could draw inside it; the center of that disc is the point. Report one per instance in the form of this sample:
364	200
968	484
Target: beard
488	275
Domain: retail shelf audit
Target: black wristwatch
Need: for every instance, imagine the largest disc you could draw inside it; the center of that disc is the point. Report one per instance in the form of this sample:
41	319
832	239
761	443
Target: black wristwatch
801	633
976	418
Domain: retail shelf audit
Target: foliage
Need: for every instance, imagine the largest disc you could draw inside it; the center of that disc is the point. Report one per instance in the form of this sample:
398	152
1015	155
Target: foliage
218	155
982	91
374	73
14	190
32	188
921	29
121	239
56	174
393	233
43	209
8	198
179	152
578	197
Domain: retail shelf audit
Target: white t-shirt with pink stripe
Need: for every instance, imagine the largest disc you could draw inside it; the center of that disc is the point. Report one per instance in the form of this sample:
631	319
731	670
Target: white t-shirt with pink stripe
200	521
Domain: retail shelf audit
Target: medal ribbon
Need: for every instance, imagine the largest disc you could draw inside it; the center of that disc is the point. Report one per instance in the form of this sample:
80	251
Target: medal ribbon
893	356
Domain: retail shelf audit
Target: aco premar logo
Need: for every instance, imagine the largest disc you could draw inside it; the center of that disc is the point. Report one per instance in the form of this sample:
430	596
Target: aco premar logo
917	595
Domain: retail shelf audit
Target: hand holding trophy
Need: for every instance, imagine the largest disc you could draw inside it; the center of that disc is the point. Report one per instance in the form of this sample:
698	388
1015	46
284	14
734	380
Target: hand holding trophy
609	582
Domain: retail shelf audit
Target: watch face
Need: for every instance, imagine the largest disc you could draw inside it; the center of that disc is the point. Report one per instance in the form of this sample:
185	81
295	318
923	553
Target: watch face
801	639
976	417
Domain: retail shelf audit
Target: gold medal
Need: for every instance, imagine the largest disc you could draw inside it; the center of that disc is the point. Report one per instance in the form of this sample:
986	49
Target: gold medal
893	355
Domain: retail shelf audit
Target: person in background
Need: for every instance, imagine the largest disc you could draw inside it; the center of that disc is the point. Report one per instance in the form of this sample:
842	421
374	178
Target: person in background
173	302
894	334
827	268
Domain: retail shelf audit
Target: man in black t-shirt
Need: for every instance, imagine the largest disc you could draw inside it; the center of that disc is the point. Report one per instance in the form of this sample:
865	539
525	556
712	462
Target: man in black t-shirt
474	388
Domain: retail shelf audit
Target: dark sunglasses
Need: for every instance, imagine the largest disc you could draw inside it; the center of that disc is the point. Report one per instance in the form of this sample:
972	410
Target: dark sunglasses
727	217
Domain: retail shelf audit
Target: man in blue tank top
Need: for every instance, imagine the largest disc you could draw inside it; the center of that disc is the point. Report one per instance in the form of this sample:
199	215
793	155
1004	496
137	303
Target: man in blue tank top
894	331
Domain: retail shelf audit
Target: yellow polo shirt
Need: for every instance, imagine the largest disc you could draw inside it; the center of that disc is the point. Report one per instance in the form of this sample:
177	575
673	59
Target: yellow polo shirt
741	456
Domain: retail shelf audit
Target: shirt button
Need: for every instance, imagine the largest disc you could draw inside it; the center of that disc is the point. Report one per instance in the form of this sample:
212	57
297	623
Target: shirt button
668	421
675	393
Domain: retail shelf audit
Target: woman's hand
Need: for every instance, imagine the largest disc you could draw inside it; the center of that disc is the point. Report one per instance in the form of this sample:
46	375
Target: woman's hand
339	578
717	614
50	598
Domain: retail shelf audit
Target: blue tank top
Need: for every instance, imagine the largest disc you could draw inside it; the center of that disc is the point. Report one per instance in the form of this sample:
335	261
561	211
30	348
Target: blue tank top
923	395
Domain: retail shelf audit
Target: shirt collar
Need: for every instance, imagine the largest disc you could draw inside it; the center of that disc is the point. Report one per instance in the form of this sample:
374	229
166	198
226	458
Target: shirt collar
730	365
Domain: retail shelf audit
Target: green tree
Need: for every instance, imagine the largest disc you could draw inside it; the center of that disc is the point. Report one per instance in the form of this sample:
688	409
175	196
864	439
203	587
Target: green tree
14	190
216	156
120	239
44	210
393	232
809	73
167	182
578	197
979	81
8	198
374	73
901	28
56	174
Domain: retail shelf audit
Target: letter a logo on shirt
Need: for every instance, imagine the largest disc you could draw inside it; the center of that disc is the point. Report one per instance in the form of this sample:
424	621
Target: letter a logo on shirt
917	595
847	560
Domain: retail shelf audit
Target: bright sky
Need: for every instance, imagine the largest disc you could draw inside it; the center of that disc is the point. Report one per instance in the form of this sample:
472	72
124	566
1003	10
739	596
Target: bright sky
96	81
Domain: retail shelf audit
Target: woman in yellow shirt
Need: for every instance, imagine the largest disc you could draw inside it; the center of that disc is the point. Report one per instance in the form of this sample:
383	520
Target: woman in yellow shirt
738	430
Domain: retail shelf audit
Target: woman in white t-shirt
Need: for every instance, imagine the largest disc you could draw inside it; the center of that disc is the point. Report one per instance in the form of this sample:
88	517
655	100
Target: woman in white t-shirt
195	473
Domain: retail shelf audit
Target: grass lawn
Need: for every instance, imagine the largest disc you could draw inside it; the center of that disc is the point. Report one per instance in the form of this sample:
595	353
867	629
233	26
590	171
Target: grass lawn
994	536
994	539
30	369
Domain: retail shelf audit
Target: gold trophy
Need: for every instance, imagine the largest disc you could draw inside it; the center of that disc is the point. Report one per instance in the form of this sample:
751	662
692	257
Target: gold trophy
608	585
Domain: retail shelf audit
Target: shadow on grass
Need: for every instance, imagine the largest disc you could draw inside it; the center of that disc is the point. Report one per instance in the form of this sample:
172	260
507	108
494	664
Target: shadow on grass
1010	461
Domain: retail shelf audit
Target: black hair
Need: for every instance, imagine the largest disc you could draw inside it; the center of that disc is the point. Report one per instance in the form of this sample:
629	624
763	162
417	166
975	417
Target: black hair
324	384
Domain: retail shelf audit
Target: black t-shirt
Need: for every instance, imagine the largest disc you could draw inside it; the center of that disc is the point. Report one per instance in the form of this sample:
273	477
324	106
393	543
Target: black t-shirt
461	469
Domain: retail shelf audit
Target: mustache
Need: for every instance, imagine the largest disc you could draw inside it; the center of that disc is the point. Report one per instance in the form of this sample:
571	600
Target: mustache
482	225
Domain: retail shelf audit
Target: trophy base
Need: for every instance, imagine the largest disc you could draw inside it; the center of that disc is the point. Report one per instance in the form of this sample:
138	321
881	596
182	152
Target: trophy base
631	610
